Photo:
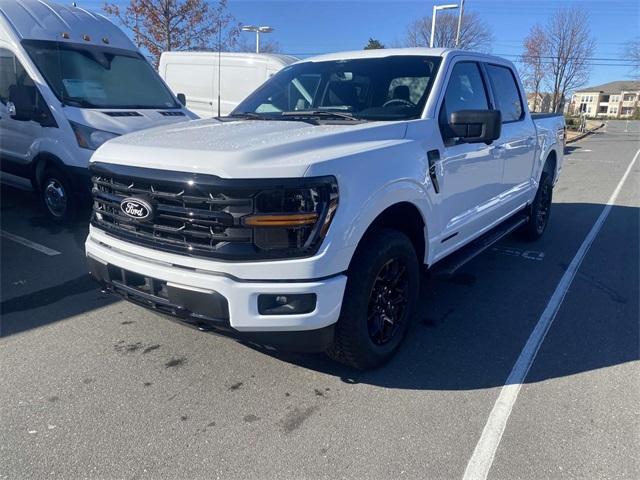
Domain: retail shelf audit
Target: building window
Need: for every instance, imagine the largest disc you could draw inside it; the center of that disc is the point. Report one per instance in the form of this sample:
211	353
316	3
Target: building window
629	98
614	98
613	110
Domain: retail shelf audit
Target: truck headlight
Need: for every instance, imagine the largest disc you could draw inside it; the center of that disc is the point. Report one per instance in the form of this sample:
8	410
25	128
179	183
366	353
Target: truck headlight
90	138
294	219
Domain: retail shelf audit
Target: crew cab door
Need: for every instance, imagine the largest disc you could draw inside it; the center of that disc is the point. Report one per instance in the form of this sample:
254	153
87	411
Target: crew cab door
517	143
470	174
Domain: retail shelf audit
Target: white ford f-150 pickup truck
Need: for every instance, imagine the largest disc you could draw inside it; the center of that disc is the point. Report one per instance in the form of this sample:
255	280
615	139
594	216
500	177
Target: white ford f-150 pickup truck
302	220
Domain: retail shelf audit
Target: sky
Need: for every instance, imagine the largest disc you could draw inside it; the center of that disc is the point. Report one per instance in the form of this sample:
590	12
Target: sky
307	27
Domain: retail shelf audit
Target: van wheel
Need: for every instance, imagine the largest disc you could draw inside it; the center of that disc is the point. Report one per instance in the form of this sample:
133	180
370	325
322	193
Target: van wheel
540	210
379	301
57	195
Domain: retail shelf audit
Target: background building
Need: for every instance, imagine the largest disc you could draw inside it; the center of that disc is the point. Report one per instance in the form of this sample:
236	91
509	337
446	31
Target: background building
611	100
539	103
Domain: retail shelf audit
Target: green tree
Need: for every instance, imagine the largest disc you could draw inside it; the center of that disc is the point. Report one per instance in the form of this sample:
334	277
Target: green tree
373	44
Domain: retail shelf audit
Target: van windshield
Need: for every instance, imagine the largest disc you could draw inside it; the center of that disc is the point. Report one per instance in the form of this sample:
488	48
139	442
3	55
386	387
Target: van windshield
388	88
90	76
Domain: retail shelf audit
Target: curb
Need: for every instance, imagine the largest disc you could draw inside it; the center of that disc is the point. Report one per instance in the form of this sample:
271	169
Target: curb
582	135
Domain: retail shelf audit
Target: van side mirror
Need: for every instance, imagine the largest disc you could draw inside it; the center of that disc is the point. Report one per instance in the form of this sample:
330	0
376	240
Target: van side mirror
476	126
23	100
182	99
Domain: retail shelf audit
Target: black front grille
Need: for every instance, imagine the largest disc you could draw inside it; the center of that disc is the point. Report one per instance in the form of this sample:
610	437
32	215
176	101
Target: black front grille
188	216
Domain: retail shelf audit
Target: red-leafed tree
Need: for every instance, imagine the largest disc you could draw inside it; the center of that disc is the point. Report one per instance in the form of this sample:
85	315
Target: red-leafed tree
165	25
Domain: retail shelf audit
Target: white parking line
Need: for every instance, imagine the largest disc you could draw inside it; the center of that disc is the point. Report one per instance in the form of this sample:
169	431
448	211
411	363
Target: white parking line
28	243
484	453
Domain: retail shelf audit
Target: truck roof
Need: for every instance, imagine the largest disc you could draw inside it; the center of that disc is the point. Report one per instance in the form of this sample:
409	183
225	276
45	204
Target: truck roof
45	20
388	52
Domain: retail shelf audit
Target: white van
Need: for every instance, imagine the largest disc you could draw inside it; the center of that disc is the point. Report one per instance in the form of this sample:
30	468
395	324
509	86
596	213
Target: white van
195	75
69	81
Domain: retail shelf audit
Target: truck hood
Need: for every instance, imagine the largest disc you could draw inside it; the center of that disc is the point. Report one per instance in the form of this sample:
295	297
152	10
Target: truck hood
246	148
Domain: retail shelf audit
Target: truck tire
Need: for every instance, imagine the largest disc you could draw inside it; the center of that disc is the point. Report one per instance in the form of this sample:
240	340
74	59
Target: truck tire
540	210
379	300
57	194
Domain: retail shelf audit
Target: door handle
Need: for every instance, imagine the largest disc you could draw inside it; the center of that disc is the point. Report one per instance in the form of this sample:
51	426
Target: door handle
433	156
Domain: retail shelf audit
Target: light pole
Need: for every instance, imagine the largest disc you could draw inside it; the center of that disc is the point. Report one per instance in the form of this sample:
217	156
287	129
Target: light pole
258	30
459	23
436	8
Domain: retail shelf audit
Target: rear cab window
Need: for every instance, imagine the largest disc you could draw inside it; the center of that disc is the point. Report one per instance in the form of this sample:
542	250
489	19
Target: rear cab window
506	93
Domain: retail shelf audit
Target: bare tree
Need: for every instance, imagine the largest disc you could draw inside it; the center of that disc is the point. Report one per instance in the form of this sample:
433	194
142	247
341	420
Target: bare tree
164	25
243	44
474	33
570	45
534	72
631	52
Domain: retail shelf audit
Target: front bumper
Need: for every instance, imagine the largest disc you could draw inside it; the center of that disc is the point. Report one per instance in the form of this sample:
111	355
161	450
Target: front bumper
219	302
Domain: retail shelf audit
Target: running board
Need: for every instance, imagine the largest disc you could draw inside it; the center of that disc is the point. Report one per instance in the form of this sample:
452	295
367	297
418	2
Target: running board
448	265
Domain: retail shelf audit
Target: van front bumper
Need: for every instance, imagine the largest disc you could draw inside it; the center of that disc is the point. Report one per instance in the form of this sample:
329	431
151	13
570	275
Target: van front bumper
218	302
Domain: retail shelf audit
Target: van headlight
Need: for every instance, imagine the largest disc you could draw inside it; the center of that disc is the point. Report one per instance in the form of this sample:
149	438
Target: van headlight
90	138
293	220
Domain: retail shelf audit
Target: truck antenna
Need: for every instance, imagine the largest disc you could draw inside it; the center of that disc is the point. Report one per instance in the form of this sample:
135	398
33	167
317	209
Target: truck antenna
219	60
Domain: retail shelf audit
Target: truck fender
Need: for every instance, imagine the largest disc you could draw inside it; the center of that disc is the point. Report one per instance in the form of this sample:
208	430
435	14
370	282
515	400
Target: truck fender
403	192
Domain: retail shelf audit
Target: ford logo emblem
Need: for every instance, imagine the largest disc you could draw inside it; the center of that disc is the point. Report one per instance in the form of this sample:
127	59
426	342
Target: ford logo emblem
135	208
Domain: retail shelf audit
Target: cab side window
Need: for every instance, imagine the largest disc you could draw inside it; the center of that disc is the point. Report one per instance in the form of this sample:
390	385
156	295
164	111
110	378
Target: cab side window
465	91
506	92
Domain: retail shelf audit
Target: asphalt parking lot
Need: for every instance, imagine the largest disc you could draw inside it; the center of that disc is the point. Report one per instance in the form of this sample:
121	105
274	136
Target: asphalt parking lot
93	387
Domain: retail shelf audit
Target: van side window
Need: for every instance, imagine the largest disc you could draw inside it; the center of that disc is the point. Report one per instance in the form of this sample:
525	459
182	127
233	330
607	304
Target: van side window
14	77
506	92
11	73
465	91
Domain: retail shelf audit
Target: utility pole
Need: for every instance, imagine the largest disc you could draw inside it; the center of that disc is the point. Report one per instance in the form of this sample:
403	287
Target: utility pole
459	23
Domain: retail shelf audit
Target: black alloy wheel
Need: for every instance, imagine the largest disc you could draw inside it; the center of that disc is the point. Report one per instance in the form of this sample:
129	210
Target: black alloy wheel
388	301
543	209
540	210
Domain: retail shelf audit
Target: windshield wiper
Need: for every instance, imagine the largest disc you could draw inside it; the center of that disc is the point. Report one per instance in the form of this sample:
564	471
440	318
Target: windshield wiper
322	113
78	102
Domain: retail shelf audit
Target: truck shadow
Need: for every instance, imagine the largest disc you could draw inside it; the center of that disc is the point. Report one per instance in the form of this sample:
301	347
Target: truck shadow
470	329
37	289
18	205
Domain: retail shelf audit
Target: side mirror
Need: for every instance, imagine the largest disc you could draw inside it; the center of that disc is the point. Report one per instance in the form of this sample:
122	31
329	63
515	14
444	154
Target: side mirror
182	99
23	100
476	126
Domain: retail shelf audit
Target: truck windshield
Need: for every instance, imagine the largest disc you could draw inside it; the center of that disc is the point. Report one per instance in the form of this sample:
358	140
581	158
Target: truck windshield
91	76
388	88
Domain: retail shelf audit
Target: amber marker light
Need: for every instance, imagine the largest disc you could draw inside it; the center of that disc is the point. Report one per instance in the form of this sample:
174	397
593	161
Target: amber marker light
284	220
